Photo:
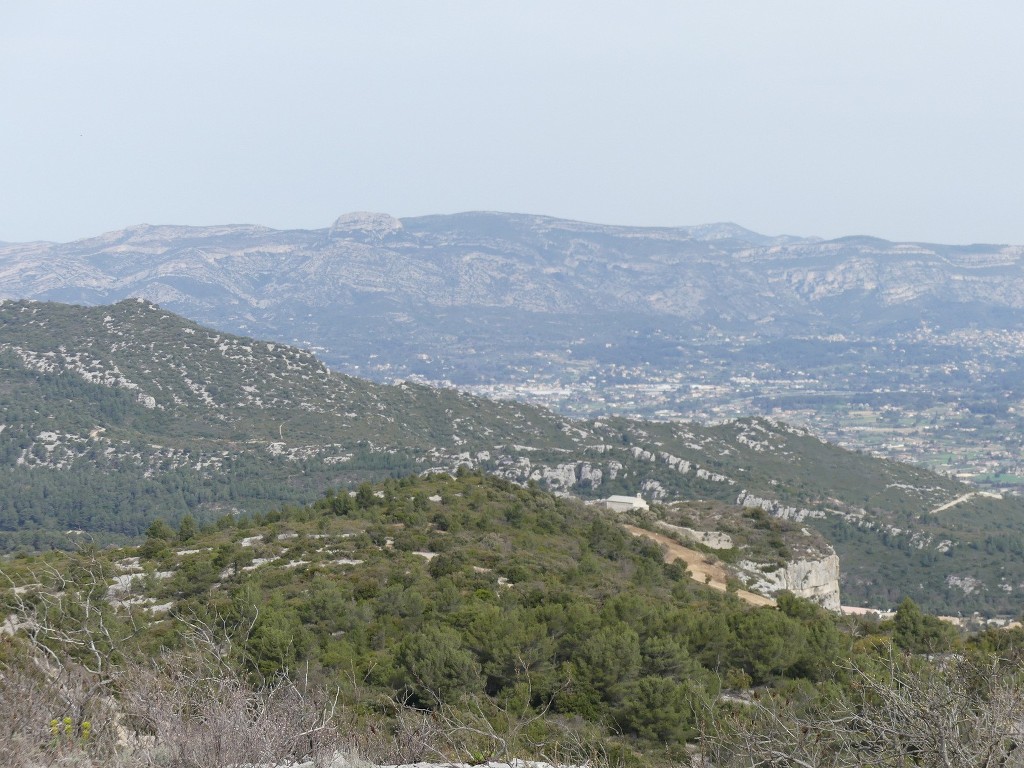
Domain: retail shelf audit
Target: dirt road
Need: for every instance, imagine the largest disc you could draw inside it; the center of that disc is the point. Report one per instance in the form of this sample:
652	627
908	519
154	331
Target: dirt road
697	565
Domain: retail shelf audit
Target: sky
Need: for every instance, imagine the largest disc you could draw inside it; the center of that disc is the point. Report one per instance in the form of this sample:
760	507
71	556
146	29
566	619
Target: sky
902	120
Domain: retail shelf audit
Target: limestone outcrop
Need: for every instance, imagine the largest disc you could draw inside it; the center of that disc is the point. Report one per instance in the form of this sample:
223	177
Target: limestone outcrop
813	579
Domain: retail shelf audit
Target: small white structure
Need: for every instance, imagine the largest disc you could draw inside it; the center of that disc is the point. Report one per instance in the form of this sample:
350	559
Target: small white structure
625	503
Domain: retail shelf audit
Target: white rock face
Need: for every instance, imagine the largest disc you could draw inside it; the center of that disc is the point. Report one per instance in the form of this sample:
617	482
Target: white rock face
590	474
714	477
560	477
775	509
967	584
816	580
361	221
713	539
653	489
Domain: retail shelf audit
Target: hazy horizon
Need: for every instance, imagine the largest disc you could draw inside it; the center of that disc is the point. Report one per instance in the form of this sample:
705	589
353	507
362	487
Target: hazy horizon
898	121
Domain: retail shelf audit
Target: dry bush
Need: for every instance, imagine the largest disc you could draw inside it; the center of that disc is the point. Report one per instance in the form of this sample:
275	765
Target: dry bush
953	712
43	711
185	713
55	701
477	730
177	712
75	658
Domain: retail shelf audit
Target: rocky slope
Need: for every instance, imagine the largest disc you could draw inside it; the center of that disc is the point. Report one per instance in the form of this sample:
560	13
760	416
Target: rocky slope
438	596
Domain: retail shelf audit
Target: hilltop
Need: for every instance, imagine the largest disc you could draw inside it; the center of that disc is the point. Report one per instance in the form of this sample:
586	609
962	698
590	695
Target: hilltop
449	616
445	619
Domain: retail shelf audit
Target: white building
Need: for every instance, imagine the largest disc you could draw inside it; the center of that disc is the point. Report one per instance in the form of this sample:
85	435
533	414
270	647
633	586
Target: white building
625	503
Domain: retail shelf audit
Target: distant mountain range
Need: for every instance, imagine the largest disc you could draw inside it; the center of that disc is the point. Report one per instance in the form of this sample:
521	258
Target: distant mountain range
908	350
474	296
112	416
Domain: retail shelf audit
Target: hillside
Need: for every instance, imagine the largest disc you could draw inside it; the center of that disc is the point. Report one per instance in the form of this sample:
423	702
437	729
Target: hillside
463	619
113	416
423	600
909	350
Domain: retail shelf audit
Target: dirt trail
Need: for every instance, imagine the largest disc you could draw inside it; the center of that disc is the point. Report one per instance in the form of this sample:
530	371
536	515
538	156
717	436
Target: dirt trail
696	564
965	497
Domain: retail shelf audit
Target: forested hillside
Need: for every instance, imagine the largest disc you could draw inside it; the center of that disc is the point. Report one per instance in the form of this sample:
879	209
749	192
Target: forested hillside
465	617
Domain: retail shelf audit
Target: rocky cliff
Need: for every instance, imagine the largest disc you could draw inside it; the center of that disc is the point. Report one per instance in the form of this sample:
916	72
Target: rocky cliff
768	554
814	579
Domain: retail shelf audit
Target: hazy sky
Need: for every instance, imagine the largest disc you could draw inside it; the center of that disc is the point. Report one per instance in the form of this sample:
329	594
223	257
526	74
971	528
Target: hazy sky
898	119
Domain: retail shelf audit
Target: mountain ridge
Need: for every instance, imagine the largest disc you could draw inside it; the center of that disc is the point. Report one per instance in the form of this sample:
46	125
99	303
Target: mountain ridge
295	286
522	263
